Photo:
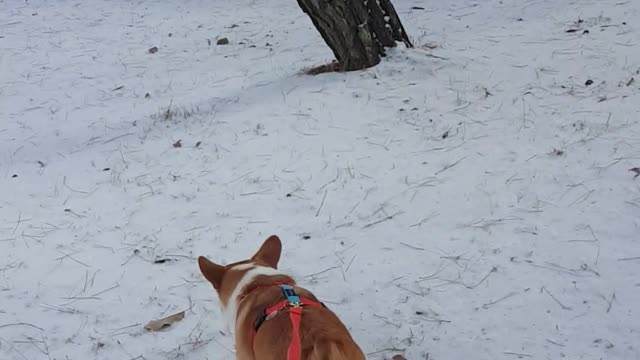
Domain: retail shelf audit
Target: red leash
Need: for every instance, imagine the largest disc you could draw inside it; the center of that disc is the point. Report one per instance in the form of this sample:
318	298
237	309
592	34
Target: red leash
295	304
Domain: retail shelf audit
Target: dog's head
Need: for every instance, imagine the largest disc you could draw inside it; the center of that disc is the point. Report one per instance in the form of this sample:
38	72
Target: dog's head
227	279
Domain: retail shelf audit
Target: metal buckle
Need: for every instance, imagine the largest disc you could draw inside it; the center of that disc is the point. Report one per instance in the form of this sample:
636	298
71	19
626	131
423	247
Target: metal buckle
290	295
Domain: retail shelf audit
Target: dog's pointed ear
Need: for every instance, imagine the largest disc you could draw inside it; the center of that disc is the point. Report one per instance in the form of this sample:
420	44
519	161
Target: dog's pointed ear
211	271
269	252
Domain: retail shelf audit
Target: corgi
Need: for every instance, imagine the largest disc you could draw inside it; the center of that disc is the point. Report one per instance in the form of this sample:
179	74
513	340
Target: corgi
272	317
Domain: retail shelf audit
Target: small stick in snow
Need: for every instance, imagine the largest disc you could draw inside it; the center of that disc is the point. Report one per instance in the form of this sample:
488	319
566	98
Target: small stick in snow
412	247
385	350
167	114
86	280
595	238
613	298
432	276
60	309
629	258
115	331
450	166
582	198
564	307
70	256
46	348
493	269
22	324
439	321
429	217
555	343
350	262
486	306
18	222
322	202
520	355
267	191
421	294
84	323
454	259
332	181
555	267
471	287
388	217
386	320
64	182
78	298
321	272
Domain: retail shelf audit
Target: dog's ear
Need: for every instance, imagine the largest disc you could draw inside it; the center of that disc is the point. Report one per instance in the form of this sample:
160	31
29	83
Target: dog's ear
269	252
211	271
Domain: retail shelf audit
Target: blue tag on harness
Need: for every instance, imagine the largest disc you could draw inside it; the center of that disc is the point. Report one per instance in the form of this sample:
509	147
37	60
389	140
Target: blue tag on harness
290	294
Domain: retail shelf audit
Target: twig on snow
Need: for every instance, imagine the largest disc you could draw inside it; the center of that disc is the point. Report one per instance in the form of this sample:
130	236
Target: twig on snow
520	355
386	320
486	306
424	220
412	247
64	182
470	287
555	343
70	256
388	217
324	197
629	258
564	307
395	349
450	166
22	324
321	272
18	222
613	298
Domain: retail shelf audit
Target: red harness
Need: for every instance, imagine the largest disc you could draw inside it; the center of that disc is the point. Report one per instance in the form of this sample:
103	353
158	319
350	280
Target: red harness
295	305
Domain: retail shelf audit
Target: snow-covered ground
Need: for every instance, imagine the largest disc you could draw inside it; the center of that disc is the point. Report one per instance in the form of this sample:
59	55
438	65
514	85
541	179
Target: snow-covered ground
467	199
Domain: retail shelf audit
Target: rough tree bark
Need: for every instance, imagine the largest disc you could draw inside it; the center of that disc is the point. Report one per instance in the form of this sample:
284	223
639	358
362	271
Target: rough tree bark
357	31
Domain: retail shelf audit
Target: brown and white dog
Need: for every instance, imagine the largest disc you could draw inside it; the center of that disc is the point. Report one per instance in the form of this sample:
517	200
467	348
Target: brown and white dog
253	294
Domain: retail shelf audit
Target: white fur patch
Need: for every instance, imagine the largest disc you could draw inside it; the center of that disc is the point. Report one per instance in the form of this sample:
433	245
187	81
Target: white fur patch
231	310
245	266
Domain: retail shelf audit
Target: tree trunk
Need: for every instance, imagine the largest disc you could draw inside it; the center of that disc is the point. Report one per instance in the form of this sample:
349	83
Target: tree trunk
357	31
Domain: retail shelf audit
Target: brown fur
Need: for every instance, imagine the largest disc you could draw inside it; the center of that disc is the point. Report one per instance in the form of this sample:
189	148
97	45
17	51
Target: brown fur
322	334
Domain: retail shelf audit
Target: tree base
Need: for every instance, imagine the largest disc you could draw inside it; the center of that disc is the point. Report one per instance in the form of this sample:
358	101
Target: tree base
356	32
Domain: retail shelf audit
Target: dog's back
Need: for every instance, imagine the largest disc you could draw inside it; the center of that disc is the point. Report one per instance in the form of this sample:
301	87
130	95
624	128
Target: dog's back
328	350
247	288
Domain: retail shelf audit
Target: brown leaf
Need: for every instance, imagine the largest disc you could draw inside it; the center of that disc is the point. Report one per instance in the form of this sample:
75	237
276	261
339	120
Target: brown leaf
157	325
398	357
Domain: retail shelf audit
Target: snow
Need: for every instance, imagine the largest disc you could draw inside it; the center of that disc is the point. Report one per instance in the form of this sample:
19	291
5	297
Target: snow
471	200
